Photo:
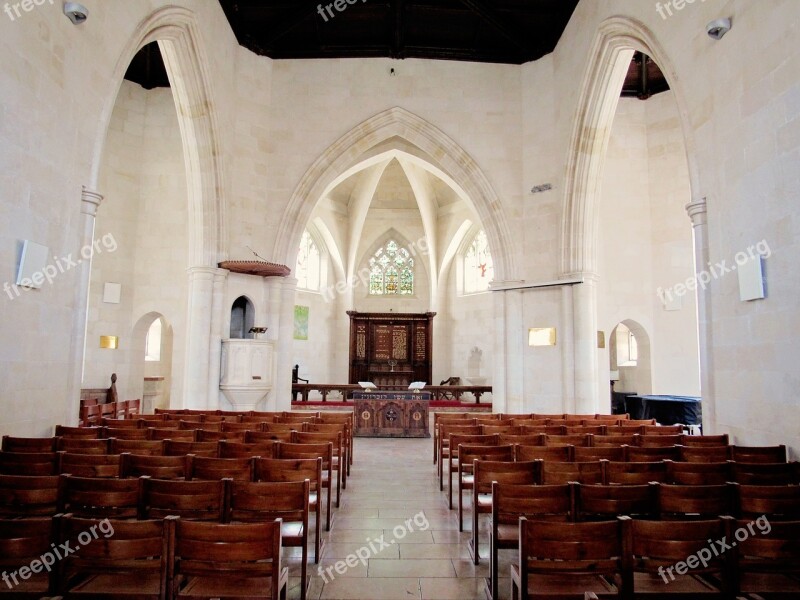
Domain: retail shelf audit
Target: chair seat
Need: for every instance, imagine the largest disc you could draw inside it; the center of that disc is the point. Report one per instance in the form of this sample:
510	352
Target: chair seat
225	588
34	587
507	534
770	583
132	586
565	586
291	531
646	583
484	501
467	479
312	499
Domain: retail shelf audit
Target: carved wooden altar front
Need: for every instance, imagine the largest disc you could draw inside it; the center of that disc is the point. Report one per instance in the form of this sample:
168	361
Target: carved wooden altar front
391	414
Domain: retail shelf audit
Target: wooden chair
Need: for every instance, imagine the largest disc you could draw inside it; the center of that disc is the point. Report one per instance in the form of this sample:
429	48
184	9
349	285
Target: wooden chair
485	472
648	440
183	435
528	422
684	502
255	422
528	439
28	463
201	424
684	473
91	497
629	473
500	429
583	454
283	470
625	439
82	446
544	429
777	502
155	466
90	416
132	407
445	431
228	561
87	433
157	422
454	458
467	455
622	429
287	501
345	428
555	472
123	559
197	500
763	473
283	427
550	453
268	436
29	495
206	435
636	454
661	429
658	546
141	447
759	454
323	451
440	419
603	502
23	542
88	465
29	445
338	460
244	450
509	503
693	441
585	429
122	423
339	418
180	448
238	469
558	558
295	419
767	561
126	433
575	439
704	454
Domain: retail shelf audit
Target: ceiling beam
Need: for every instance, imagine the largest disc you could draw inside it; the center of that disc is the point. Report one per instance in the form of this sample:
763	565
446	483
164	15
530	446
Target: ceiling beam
398	40
287	24
491	17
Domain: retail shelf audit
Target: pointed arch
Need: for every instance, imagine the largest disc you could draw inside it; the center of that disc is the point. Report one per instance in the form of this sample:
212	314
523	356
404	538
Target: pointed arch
616	41
178	37
397	123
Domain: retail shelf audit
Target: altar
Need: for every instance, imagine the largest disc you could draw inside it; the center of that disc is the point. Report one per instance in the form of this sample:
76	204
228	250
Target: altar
391	414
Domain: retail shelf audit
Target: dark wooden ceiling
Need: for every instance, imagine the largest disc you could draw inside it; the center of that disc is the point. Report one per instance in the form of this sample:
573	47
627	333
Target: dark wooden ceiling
493	31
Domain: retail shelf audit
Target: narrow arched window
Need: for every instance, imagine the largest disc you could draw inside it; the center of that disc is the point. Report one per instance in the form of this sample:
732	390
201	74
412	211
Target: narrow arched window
152	352
478	265
391	271
307	269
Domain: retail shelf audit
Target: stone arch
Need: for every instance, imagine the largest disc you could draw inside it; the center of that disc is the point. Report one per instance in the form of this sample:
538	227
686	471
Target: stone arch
643	371
178	36
616	41
397	123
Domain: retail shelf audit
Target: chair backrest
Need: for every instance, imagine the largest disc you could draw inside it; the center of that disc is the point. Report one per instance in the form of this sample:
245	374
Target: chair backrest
770	547
296	469
577	439
584	429
268	436
301	413
125	433
29	445
28	463
457	440
335	417
759	454
661	429
765	473
232	426
555	453
702	473
91	497
631	473
469	453
539	502
617	453
29	495
623	429
637	422
206	435
244	450
198	500
156	466
122	423
555	472
445	431
692	441
185	435
777	502
295	450
487	471
282	427
295	419
334	438
636	454
238	469
149	447
215	426
646	440
544	429
528	422
685	502
82	446
78	432
625	439
501	429
88	465
180	448
528	439
595	502
266	500
704	454
237	552
23	542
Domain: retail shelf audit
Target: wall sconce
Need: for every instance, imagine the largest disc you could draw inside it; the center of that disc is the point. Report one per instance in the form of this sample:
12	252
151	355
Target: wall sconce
542	336
110	342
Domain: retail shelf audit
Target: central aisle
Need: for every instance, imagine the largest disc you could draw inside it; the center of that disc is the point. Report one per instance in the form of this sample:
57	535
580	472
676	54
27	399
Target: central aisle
394	481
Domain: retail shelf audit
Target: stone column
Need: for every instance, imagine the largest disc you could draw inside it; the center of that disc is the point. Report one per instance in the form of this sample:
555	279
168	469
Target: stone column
216	335
90	202
507	379
698	213
198	338
566	340
273	287
284	349
584	310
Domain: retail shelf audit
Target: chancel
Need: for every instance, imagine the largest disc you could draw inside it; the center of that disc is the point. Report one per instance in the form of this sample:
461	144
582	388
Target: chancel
557	238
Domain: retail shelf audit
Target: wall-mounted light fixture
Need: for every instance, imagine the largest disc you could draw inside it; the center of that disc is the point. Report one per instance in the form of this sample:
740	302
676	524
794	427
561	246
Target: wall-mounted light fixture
601	339
717	28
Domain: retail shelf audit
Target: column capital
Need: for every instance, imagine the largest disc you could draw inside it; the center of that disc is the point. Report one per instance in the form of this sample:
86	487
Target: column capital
697	211
90	201
587	276
209	273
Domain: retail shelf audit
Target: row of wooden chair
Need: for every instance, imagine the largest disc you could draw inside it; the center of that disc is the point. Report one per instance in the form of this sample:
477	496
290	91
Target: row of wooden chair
161	559
123	409
632	558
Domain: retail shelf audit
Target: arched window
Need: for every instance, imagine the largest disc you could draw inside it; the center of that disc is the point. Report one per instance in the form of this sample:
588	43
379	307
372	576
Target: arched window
307	270
391	271
152	344
242	318
478	265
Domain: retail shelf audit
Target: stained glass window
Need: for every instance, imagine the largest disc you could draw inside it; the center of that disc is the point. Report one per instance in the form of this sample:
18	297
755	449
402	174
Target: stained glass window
391	271
478	265
308	264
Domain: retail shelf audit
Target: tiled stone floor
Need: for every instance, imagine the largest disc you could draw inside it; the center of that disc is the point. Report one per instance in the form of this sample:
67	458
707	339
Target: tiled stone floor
393	480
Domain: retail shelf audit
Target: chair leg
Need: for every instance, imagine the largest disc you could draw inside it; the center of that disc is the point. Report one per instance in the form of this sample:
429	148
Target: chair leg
460	505
449	485
494	567
476	558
